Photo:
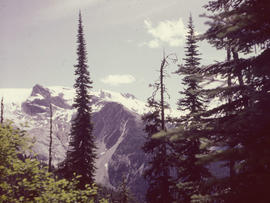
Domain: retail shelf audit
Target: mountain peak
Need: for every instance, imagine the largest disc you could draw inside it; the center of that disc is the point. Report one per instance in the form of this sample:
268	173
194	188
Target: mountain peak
40	90
128	95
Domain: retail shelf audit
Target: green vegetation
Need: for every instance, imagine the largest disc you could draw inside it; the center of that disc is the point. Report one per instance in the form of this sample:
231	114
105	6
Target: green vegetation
25	179
234	131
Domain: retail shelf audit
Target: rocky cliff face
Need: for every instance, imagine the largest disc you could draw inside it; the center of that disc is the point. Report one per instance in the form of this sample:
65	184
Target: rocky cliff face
117	129
119	140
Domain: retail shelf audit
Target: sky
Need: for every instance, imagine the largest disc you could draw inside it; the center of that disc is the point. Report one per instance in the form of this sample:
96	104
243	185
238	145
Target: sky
125	40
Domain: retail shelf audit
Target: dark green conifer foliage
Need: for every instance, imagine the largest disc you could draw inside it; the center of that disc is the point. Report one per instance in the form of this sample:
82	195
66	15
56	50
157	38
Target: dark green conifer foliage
157	173
81	153
241	123
124	191
125	196
191	98
187	147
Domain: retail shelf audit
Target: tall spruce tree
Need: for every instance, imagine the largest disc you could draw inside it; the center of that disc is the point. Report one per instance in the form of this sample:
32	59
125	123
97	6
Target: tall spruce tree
240	124
81	153
191	98
187	147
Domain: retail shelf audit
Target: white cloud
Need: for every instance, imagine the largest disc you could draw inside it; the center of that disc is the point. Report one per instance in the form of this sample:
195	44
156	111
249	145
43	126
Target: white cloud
154	43
166	32
118	79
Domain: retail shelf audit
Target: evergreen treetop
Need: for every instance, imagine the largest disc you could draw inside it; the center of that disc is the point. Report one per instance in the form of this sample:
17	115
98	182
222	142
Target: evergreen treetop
191	98
81	152
186	143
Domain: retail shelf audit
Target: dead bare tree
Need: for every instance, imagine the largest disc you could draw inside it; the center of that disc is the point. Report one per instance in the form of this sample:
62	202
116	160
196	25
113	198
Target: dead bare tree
160	86
50	145
2	111
158	173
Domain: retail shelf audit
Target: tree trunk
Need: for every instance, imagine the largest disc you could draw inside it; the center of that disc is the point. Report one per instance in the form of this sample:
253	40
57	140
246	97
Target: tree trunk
162	93
231	164
50	146
2	111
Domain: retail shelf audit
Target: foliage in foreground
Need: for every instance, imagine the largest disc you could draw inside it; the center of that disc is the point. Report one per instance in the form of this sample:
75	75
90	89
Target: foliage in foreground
236	128
23	179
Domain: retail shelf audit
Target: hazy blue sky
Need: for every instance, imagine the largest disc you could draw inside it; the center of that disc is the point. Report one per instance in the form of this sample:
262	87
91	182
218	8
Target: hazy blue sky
125	41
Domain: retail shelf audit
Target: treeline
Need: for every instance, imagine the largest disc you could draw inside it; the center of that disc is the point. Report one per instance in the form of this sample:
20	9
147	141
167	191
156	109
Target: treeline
234	132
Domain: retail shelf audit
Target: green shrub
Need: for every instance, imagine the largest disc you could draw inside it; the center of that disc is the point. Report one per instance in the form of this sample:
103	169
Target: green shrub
24	179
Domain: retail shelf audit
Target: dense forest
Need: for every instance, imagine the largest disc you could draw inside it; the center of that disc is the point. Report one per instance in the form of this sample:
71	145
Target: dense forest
233	132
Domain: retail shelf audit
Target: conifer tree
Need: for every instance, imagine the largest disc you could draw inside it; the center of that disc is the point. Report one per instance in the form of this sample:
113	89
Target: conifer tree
124	191
191	98
158	173
240	124
125	196
187	146
81	153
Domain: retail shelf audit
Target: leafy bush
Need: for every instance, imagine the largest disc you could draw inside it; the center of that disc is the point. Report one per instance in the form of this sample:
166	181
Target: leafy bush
23	179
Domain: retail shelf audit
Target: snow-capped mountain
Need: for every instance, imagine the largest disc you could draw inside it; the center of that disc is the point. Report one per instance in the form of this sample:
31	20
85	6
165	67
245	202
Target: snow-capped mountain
117	129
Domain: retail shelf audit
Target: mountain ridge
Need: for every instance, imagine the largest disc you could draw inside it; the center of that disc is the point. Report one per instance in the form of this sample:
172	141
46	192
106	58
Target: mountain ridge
117	129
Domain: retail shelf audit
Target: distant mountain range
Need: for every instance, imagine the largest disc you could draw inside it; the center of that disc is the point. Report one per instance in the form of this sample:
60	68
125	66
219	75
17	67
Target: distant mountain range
118	130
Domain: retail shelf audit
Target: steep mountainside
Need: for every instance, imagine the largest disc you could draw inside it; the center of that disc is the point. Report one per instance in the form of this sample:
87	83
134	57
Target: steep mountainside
117	129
